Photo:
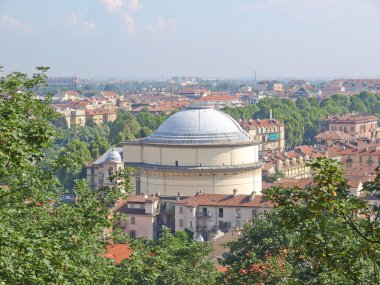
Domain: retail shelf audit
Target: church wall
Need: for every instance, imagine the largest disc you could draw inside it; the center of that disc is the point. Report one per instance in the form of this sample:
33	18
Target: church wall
189	185
132	153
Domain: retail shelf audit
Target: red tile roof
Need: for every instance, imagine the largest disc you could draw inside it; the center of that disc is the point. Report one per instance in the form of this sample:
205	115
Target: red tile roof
213	98
226	201
118	252
290	182
333	135
351	117
263	123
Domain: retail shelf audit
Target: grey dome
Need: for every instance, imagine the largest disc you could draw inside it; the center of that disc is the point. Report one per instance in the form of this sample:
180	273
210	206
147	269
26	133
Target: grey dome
113	155
199	125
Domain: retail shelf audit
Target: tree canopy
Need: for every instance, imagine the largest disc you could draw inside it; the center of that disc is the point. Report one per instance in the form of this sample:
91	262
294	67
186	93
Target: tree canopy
319	235
301	116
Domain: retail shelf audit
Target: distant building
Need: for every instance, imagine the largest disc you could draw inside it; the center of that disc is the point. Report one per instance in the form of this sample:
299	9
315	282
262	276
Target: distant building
142	216
330	137
64	96
270	133
222	101
98	173
62	83
266	85
101	116
210	215
357	156
358	125
292	163
81	117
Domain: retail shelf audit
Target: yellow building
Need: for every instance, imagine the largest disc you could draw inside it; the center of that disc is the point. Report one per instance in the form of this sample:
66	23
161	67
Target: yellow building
199	149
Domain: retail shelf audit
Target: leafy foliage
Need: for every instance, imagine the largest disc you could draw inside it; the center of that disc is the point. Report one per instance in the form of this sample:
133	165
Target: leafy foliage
172	259
320	235
301	116
43	241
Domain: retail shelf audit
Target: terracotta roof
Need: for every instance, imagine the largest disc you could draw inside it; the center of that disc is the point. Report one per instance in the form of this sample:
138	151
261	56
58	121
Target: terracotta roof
218	98
226	201
351	117
221	268
333	135
108	94
141	199
101	111
290	182
118	252
261	123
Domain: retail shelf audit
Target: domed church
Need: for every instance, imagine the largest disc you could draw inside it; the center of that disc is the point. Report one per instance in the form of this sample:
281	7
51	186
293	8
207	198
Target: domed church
199	149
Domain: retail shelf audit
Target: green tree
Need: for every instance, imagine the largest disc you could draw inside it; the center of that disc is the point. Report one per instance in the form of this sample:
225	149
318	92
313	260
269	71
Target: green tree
320	235
125	127
172	259
43	241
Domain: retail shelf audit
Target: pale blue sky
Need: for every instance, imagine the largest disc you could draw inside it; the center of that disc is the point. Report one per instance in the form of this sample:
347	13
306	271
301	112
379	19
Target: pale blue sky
212	38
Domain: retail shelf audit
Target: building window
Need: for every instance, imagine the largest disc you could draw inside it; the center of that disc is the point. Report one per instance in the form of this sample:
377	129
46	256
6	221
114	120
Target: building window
191	224
181	223
132	234
181	210
220	213
176	163
360	159
238	213
133	220
142	206
204	212
110	171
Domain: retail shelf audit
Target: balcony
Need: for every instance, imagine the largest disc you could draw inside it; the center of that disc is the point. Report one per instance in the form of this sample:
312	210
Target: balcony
203	215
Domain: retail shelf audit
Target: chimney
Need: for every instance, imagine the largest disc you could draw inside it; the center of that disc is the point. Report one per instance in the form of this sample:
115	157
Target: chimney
235	193
179	194
252	196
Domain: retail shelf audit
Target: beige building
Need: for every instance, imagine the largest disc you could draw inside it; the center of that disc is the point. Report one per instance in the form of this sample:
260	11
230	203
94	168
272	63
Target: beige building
292	163
269	132
362	156
208	216
199	149
142	216
101	116
358	125
105	166
330	137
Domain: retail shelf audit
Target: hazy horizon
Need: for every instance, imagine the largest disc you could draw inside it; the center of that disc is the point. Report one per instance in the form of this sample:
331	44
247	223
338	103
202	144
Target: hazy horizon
146	39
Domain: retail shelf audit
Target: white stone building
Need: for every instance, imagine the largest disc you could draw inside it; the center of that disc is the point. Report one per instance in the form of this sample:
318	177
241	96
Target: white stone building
209	215
197	149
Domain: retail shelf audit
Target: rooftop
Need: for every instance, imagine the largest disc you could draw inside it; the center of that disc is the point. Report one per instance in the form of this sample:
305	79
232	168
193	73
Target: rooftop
226	201
200	124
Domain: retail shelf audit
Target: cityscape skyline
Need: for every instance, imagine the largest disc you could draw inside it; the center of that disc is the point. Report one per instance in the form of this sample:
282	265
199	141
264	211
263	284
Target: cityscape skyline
217	39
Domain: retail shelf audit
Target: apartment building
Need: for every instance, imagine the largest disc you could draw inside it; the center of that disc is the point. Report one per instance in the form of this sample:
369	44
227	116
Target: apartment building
269	132
209	215
358	125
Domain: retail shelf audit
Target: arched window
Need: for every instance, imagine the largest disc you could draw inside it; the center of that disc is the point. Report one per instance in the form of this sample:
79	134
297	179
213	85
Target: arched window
110	171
